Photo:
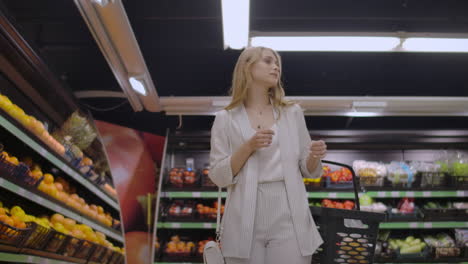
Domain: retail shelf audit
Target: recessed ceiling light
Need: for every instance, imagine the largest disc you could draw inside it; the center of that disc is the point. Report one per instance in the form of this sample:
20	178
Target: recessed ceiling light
137	85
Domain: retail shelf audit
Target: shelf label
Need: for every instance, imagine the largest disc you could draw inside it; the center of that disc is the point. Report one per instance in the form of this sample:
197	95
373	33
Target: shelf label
427	225
42	151
175	225
427	194
21	191
413	225
208	225
1	180
381	194
332	195
462	193
410	194
196	194
395	194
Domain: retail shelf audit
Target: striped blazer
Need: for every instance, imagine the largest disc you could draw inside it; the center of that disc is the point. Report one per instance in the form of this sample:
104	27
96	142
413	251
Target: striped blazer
229	132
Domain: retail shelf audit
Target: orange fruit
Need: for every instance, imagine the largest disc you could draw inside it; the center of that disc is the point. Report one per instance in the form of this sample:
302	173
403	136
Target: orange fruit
57	218
58	186
100	210
14	160
48	178
36	174
2	211
6	220
20	225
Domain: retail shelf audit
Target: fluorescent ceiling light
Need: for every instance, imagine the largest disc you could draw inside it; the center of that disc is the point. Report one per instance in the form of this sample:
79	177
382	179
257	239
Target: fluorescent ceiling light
137	85
369	104
362	114
110	27
328	43
435	45
235	23
101	2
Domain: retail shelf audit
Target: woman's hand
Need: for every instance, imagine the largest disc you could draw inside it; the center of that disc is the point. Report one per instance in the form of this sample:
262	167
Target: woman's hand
317	150
261	139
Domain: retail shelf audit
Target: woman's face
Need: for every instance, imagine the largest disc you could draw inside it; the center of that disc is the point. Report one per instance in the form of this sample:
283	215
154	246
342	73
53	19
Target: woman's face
266	70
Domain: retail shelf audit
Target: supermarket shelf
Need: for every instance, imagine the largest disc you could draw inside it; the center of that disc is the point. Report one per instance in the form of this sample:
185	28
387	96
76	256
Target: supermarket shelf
335	195
178	263
393	225
423	225
425	261
20	258
114	234
57	162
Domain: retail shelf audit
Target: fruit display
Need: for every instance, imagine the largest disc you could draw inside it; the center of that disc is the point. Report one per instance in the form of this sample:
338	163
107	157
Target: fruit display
409	245
206	181
17	217
181	209
370	173
179	177
348	205
312	182
201	246
339	175
176	247
207	212
30	123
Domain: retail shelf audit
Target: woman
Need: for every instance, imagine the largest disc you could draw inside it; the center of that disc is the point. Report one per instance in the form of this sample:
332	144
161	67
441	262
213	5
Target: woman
260	150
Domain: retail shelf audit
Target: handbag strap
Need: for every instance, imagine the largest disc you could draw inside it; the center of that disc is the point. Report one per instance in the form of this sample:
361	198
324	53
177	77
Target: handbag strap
218	218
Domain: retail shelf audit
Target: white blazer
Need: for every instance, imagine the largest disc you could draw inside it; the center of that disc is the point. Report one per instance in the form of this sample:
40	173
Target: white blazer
229	132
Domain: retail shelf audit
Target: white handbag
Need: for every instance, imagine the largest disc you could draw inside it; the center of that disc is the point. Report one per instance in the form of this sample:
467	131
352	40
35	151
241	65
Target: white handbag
212	252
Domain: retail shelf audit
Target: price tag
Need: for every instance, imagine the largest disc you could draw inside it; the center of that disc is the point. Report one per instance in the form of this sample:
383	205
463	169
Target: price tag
208	225
381	194
410	194
427	225
175	225
1	180
462	193
413	225
196	194
332	195
395	194
427	194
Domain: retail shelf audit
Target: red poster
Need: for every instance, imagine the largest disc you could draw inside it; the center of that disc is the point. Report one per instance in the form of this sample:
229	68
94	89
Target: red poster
133	157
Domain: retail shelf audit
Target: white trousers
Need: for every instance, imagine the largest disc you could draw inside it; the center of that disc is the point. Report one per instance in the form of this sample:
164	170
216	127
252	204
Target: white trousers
274	240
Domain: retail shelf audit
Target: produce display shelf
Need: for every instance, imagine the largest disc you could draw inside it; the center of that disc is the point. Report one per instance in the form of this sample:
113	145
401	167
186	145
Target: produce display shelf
335	195
425	261
20	258
25	138
393	225
59	209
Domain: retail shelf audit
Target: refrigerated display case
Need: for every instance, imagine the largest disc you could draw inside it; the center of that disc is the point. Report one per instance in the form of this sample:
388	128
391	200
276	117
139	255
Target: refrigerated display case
184	207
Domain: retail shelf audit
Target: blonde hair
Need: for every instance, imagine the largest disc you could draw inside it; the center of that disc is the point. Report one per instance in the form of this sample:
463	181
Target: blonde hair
242	78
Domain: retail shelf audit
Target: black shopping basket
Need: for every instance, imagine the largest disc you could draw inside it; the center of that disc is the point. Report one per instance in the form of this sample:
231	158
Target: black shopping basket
349	236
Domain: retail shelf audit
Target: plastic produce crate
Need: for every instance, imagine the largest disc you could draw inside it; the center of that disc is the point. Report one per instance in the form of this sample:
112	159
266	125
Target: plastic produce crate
37	237
12	237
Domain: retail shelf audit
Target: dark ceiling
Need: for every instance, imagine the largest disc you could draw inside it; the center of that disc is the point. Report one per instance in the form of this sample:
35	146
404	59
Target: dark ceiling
181	41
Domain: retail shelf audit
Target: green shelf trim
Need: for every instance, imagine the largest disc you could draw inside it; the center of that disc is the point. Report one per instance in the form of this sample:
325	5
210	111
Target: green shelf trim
20	258
423	225
58	208
188	225
58	163
388	225
335	195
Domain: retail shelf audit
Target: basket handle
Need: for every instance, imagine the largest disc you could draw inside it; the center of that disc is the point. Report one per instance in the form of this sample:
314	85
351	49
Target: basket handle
355	184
